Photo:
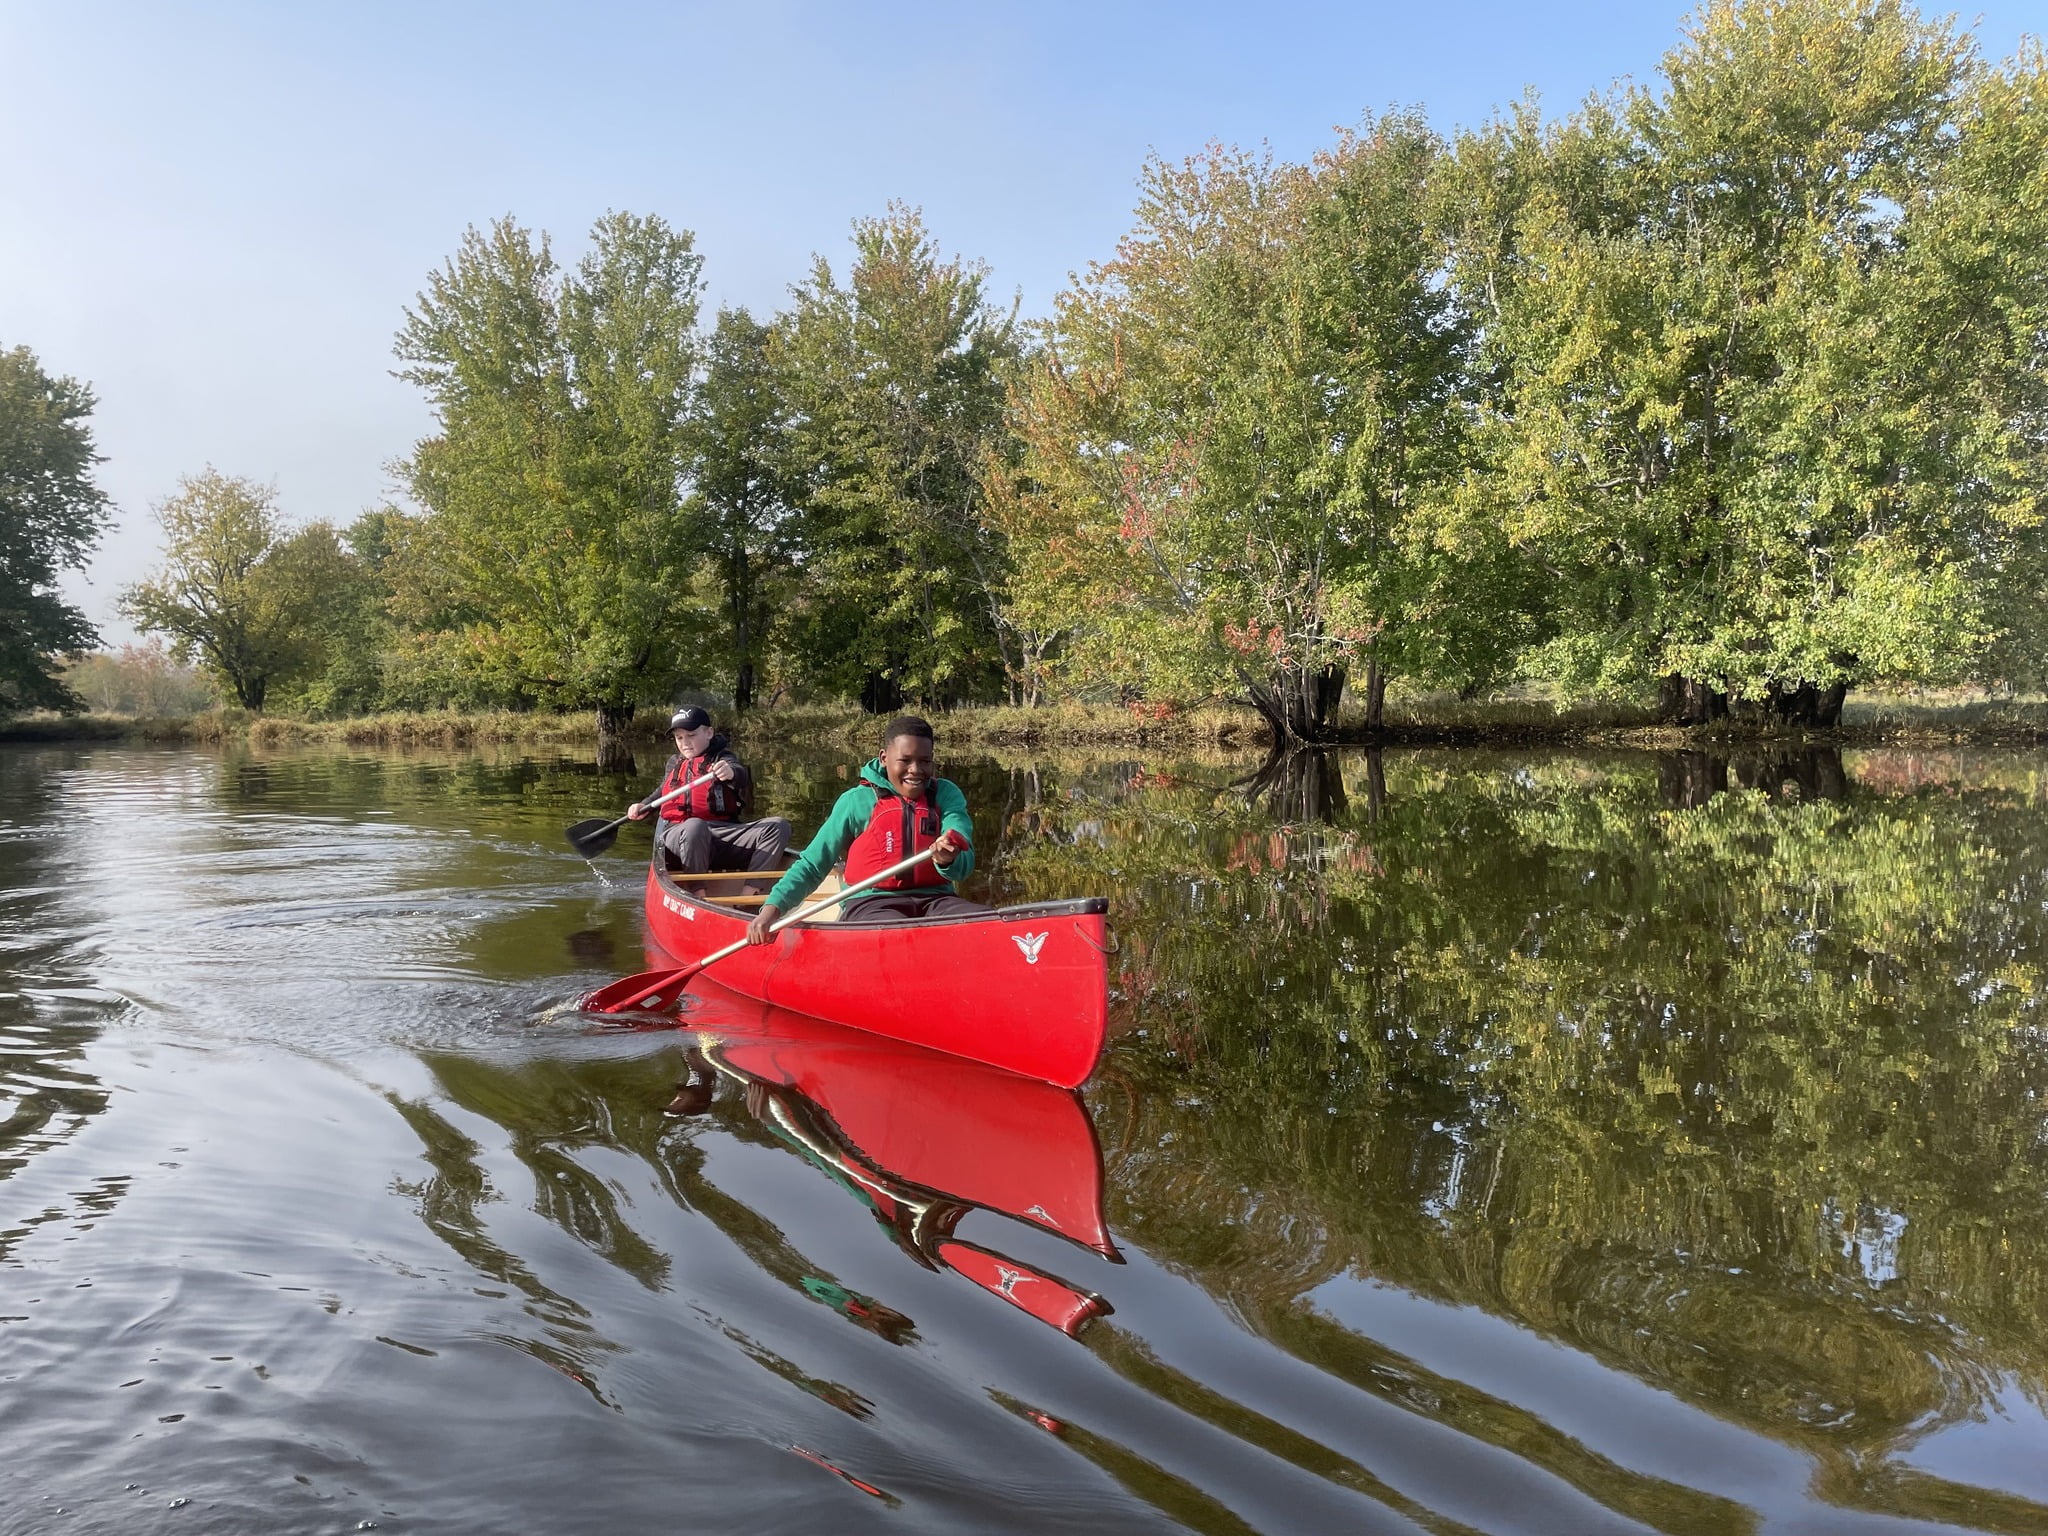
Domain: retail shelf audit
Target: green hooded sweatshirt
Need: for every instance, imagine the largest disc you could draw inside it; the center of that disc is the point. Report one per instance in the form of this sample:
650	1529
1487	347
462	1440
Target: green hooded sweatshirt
850	813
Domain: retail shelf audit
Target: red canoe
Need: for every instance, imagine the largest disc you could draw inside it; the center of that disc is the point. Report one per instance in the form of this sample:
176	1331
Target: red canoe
1022	988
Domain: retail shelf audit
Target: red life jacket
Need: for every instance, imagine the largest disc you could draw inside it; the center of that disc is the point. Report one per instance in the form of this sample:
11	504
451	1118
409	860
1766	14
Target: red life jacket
716	801
897	828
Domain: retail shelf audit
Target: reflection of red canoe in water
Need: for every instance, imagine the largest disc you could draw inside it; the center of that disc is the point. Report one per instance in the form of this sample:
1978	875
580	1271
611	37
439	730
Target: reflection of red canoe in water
1023	988
925	1139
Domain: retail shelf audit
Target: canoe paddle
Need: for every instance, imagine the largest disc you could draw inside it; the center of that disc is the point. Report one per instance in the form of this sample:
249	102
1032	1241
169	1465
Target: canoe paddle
592	837
658	989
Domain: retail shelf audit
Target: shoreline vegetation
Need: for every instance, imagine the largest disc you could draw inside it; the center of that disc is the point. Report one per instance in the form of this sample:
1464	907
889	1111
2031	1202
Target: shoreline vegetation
1878	720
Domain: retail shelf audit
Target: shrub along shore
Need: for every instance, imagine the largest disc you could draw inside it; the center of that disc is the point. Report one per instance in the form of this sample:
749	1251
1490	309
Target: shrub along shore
1875	720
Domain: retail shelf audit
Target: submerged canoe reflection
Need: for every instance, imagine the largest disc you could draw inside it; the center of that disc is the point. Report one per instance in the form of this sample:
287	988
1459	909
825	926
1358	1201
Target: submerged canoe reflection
923	1139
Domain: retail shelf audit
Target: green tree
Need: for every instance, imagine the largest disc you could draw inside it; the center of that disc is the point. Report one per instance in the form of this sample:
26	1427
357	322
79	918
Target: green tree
1976	278
740	501
51	515
1759	370
1260	401
357	636
897	382
252	600
552	540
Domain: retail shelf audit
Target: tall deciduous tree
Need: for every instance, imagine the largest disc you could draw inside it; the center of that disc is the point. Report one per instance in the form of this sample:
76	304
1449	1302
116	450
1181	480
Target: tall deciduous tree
741	503
553	533
51	515
1258	401
897	381
1750	353
251	600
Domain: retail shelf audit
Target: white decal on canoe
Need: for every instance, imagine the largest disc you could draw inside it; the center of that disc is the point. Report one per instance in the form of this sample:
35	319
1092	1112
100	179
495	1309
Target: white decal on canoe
1040	1212
1007	1279
1030	944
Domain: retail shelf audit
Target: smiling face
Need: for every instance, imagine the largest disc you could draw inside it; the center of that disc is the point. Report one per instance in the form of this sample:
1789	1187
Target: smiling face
693	743
907	761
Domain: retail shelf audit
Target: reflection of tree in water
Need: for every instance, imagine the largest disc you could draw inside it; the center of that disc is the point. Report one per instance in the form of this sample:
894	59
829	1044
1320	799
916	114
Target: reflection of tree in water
1688	780
1304	785
1737	1097
49	1015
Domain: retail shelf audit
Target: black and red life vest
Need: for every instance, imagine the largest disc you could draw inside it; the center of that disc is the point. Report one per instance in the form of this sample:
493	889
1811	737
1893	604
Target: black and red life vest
897	828
716	801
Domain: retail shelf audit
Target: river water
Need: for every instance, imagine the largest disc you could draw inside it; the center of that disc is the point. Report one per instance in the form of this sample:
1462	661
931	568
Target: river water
1504	1143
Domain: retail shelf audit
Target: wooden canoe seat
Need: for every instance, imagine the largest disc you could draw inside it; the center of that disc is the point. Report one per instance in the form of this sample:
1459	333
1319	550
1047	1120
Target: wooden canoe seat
826	887
725	874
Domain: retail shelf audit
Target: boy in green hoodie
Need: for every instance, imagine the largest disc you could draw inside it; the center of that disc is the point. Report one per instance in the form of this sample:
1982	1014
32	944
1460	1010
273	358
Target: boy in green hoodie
899	808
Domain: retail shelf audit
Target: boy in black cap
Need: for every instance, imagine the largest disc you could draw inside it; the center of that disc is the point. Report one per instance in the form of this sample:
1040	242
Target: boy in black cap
702	830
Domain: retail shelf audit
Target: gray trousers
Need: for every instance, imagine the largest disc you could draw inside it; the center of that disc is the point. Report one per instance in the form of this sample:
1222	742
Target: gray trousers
896	906
699	846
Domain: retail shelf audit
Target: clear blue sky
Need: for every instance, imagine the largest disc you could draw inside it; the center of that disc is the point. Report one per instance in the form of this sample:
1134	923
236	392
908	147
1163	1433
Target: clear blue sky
216	213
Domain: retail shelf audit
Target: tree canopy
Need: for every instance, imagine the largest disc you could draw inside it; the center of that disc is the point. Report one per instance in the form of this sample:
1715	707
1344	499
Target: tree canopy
896	382
1761	403
51	516
1254	414
251	599
552	538
1726	389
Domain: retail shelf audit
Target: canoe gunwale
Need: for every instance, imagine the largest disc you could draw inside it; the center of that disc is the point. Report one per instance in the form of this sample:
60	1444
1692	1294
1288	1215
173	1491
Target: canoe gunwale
1078	906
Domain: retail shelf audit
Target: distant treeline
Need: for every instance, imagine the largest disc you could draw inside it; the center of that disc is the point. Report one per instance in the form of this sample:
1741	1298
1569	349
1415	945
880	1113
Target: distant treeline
1729	391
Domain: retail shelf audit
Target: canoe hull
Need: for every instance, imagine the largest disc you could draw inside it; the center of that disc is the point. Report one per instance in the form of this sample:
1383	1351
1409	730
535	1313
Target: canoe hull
1023	988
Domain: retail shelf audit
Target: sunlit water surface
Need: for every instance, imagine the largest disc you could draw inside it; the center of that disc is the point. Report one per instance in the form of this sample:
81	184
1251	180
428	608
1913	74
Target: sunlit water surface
1500	1144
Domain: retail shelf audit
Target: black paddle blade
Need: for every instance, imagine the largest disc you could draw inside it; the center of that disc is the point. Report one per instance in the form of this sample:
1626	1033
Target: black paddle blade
592	837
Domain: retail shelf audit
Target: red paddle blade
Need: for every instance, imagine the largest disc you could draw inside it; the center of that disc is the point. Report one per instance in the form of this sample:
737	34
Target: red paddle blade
648	992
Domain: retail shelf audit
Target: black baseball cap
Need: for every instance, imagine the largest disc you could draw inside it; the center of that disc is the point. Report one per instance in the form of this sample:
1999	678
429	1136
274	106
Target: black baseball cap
692	719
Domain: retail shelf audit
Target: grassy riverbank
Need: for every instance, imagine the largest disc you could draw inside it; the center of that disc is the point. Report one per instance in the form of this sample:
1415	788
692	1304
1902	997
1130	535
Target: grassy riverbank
1873	720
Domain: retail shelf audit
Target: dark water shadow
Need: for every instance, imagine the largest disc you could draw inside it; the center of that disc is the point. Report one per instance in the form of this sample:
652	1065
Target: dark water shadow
1688	780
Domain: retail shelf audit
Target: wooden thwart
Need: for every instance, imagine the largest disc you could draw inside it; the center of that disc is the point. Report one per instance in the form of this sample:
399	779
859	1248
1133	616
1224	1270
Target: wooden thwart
826	887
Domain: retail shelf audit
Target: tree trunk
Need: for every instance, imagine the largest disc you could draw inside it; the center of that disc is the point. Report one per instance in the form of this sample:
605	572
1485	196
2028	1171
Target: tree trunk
1375	693
1807	704
250	691
879	695
1300	706
1329	693
1375	785
1685	700
1827	711
742	636
614	741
